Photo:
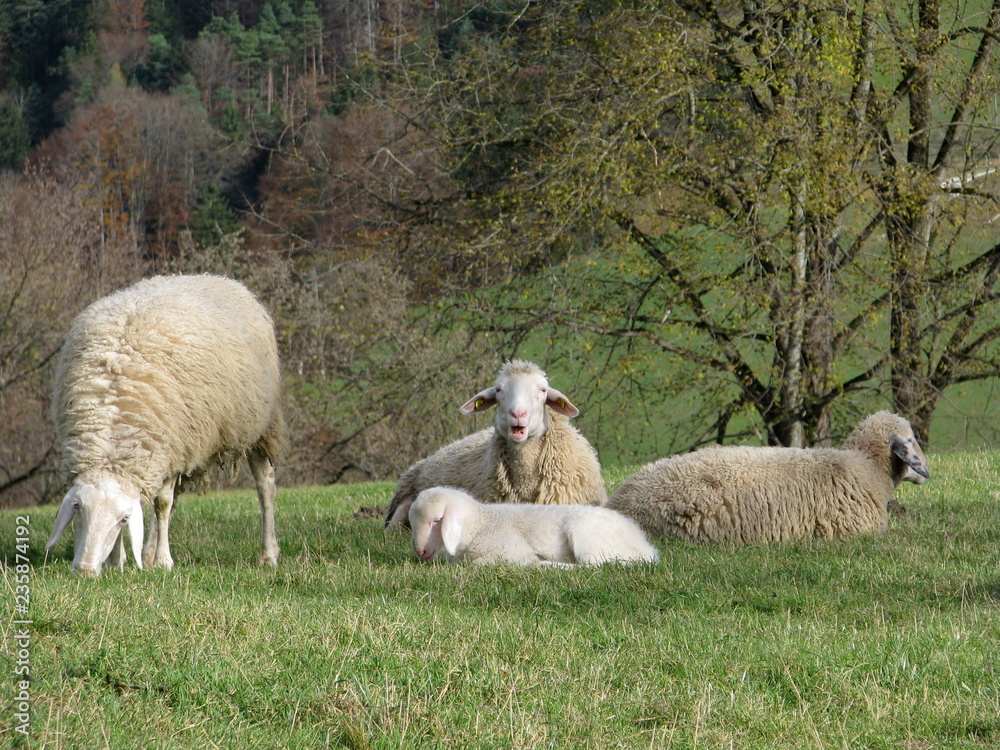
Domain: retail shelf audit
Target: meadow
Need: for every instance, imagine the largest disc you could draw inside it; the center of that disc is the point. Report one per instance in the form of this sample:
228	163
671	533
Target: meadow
886	641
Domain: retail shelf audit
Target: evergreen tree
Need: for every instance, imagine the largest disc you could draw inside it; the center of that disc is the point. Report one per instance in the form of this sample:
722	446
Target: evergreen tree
157	71
212	218
273	48
231	124
312	35
14	141
248	51
228	27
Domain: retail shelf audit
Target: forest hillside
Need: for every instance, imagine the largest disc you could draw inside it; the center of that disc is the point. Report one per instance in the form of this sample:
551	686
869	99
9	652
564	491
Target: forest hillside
708	222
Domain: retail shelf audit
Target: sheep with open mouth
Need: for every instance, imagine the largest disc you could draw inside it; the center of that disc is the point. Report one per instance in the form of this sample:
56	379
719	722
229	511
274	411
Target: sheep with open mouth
532	454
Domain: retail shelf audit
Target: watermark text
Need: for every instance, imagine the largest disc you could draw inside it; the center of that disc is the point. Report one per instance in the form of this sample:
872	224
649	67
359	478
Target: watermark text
21	649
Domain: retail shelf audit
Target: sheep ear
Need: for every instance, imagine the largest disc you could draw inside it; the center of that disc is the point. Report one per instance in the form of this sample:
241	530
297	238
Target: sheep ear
63	517
910	454
451	531
560	404
135	528
480	402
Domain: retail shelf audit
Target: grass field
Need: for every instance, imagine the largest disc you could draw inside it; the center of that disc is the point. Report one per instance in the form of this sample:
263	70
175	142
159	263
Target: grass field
888	641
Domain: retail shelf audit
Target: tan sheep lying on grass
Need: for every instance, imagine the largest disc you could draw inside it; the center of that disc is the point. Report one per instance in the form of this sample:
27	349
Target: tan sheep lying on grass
532	454
750	495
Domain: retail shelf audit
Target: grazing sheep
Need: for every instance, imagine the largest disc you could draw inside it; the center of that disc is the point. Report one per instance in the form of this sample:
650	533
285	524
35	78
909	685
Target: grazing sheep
154	386
450	520
531	455
749	495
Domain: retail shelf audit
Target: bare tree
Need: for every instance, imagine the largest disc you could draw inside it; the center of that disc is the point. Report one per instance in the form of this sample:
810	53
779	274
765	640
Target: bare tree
51	266
370	385
774	176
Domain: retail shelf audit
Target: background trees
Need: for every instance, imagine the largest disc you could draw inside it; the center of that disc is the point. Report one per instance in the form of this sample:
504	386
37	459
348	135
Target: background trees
709	221
933	133
14	140
785	185
52	261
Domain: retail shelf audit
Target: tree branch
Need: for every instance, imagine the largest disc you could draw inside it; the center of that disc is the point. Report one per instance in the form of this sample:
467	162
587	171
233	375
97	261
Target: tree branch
31	472
762	397
971	84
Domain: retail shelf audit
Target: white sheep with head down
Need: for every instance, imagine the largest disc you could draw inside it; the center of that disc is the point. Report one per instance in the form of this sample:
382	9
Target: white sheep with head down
532	454
154	386
751	495
449	522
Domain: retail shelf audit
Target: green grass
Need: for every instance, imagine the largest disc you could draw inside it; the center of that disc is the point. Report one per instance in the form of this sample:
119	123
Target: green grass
887	641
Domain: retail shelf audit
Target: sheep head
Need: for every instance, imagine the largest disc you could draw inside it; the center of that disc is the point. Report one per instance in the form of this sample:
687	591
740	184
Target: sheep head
521	394
103	511
437	520
885	429
911	466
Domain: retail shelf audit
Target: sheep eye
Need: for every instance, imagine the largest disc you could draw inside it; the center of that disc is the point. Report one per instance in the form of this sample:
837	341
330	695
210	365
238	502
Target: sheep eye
76	505
438	520
124	521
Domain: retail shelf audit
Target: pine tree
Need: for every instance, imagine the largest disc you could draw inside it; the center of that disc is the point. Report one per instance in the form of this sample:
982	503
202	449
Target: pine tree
156	72
272	47
14	141
312	35
212	218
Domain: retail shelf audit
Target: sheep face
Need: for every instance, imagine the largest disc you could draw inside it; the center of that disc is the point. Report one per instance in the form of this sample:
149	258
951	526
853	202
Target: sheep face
911	465
436	523
521	394
103	512
906	462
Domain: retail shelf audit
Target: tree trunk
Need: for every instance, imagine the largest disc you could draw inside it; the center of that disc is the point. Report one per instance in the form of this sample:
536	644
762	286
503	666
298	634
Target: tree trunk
795	434
908	242
270	88
908	228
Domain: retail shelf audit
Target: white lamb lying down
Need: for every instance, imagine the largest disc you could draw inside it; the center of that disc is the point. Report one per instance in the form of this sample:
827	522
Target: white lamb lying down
449	521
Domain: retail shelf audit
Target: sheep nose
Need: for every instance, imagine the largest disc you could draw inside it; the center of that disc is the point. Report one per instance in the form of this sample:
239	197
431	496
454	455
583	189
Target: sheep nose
518	414
87	571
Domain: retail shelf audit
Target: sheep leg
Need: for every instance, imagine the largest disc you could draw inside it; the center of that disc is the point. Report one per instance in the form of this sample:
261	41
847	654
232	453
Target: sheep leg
149	548
263	476
156	553
117	557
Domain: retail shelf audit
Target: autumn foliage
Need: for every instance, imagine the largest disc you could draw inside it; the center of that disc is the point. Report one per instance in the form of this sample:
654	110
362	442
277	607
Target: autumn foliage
748	222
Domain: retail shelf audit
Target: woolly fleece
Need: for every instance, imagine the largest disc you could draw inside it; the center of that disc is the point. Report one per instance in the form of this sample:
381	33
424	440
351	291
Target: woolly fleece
170	376
751	495
560	468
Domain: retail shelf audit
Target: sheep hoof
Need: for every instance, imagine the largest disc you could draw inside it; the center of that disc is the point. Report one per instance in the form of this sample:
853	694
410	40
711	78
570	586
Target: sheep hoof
896	508
271	560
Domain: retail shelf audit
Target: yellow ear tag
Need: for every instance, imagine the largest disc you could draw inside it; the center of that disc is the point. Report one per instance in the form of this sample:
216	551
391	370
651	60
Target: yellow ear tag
479	403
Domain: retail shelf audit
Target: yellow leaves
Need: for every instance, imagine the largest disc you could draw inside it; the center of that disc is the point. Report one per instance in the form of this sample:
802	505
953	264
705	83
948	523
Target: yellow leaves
836	57
115	76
